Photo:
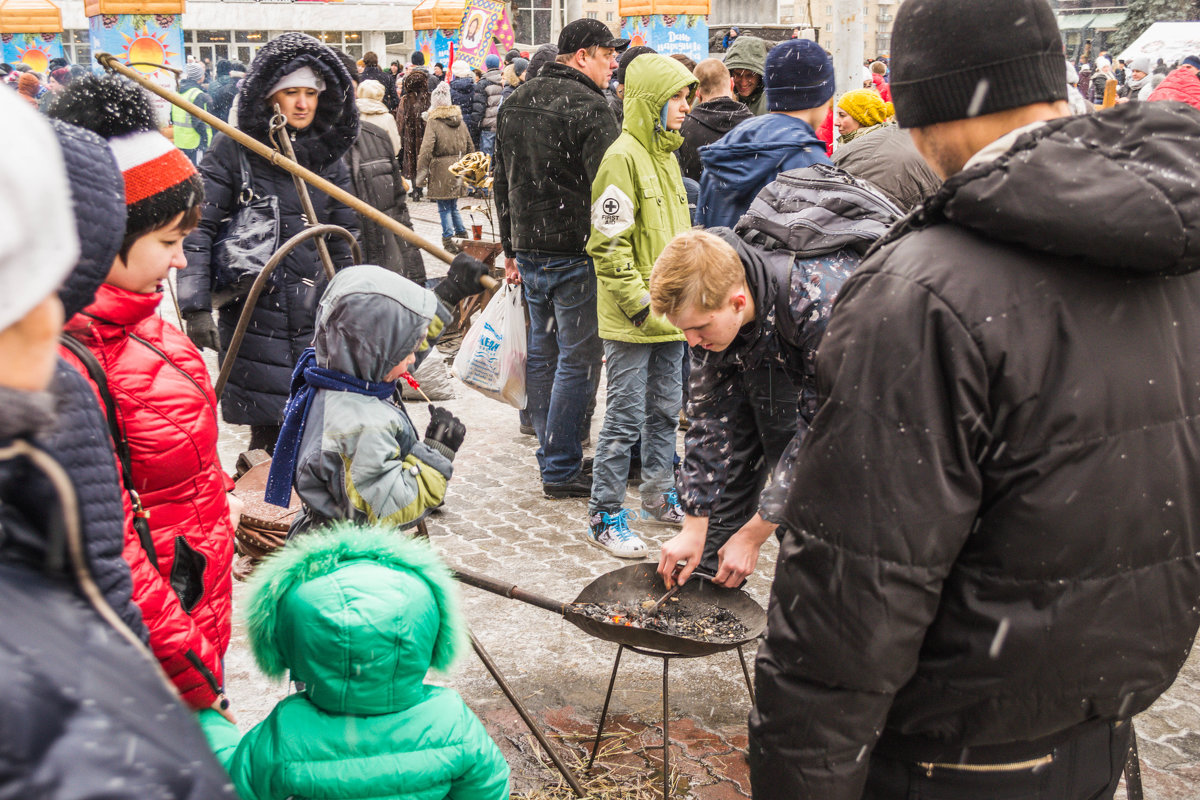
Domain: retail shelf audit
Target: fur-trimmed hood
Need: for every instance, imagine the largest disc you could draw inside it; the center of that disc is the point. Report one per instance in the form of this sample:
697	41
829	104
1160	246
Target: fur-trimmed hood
336	125
451	115
359	614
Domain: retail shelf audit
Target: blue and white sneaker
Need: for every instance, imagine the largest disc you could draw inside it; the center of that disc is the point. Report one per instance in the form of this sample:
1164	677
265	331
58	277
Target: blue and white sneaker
612	533
666	511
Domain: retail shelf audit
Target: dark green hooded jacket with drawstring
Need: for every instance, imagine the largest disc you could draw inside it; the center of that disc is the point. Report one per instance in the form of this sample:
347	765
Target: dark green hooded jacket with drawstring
638	203
360	614
750	52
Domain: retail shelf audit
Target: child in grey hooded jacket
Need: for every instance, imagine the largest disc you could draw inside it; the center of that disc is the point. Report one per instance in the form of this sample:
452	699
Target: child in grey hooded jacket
347	445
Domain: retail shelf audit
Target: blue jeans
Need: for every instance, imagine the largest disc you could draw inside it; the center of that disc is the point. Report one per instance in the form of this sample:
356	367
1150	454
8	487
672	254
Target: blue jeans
563	369
451	222
487	142
645	393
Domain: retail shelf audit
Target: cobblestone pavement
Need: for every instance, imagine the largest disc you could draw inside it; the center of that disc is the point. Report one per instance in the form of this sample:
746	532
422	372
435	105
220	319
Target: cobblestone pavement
497	522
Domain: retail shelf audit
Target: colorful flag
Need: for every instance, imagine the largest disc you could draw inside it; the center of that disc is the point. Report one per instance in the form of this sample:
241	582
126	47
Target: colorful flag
483	21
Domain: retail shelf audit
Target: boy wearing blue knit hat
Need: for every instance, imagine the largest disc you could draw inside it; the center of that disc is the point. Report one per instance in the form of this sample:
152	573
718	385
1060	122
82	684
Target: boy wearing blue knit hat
799	88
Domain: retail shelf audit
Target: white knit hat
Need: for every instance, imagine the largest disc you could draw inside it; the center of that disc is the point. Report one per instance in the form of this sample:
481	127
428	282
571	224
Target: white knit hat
38	244
304	77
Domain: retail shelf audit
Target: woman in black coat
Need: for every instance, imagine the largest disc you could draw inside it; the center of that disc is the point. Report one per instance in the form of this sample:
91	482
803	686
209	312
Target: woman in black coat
316	95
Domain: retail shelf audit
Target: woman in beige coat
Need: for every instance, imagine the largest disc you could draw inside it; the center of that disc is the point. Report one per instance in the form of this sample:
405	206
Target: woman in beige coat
372	109
446	140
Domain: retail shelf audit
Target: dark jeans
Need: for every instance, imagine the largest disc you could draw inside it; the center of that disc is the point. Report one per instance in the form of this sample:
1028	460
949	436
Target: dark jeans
563	369
1086	767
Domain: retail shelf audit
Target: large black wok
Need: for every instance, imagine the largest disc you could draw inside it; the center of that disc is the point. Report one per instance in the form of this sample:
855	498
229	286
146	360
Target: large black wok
630	586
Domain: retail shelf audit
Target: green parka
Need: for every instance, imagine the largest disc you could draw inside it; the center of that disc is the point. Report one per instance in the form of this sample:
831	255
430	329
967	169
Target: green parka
750	52
359	614
638	203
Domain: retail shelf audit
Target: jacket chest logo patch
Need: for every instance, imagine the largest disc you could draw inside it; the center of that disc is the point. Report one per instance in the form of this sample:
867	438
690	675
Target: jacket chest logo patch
613	212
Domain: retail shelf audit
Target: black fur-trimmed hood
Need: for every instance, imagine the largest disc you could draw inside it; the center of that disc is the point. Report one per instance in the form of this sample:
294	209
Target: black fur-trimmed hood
336	125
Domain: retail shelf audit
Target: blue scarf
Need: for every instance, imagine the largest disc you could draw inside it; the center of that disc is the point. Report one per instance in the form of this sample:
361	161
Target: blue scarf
307	378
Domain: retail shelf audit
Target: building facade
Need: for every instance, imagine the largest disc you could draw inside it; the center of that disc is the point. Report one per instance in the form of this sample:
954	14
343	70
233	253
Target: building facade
216	29
817	20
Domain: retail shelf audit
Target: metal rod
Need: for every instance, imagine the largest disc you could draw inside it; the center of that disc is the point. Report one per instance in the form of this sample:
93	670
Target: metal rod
510	591
529	721
746	672
666	730
280	135
260	282
1133	768
110	62
604	714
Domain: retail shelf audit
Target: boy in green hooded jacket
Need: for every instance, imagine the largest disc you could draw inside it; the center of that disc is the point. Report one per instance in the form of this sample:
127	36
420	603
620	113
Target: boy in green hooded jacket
359	614
638	205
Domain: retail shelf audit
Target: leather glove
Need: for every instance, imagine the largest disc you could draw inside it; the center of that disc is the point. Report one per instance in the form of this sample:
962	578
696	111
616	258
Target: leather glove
445	429
462	281
201	329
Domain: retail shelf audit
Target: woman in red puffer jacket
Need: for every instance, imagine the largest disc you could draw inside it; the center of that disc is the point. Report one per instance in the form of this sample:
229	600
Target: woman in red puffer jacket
167	412
162	398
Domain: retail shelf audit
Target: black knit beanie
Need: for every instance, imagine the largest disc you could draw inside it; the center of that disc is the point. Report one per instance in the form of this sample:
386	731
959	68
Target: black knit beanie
627	58
953	60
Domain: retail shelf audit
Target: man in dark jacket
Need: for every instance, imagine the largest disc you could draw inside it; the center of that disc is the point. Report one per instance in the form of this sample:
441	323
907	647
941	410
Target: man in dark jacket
486	103
224	87
85	710
992	550
373	72
753	306
799	79
462	94
715	114
551	136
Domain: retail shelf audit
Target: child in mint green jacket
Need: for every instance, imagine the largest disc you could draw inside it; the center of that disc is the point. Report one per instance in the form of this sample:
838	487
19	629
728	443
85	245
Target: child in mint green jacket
359	615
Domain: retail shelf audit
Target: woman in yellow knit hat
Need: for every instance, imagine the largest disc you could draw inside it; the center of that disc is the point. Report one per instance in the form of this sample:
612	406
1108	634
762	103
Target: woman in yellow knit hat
871	147
859	111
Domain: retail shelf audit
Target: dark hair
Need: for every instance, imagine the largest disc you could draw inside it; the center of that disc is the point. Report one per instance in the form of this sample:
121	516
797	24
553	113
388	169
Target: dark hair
190	219
370	59
349	62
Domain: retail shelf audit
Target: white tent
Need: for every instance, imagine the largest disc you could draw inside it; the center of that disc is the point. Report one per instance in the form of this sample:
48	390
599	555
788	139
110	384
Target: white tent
1170	41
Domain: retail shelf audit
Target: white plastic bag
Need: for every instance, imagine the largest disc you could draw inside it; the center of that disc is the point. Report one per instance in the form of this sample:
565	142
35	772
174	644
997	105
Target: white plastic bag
493	353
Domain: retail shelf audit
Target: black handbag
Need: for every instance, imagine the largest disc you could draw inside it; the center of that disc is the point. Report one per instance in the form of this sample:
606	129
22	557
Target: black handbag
248	239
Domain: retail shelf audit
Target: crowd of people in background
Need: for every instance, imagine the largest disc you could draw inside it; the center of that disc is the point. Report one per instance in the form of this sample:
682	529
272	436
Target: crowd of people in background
889	341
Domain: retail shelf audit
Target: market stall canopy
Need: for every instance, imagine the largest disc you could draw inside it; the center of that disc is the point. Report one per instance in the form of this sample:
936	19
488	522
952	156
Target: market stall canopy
93	7
30	16
644	8
1170	41
435	14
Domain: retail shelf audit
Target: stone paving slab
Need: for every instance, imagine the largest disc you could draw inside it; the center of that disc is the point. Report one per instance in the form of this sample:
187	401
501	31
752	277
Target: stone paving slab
497	522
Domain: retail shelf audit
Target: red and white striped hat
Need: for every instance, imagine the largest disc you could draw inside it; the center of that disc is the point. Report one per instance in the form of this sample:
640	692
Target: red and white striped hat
160	181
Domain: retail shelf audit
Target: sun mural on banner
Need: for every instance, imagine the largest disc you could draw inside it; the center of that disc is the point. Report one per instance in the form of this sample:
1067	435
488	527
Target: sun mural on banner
32	49
147	43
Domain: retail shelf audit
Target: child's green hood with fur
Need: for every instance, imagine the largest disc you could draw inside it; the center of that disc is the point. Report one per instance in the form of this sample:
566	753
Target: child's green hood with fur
359	614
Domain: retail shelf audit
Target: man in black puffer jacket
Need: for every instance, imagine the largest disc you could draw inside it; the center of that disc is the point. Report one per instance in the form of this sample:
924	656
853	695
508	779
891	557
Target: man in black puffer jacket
551	136
373	72
992	550
282	324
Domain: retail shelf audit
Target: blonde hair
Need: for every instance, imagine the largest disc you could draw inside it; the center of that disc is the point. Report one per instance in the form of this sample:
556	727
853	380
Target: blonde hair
695	269
713	77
